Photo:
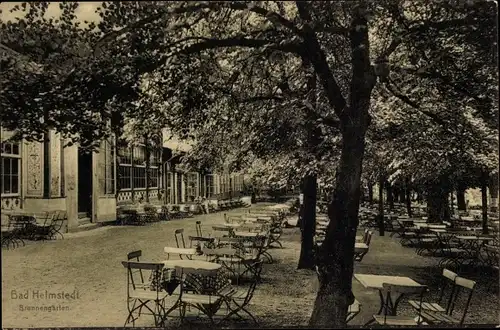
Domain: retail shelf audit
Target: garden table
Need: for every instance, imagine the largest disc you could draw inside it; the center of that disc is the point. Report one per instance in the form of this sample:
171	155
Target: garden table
376	282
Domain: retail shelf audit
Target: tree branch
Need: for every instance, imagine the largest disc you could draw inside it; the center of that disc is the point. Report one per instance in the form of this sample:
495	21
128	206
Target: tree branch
413	104
317	58
444	79
239	42
272	16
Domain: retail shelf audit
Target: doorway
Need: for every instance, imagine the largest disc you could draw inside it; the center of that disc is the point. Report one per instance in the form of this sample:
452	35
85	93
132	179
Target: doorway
84	184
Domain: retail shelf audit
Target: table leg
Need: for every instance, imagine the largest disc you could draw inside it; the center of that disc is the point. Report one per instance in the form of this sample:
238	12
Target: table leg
381	309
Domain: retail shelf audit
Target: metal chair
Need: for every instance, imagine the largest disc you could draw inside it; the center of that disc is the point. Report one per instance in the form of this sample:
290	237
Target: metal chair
138	298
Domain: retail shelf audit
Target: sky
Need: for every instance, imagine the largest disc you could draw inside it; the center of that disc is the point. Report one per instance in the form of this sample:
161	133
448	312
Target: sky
85	11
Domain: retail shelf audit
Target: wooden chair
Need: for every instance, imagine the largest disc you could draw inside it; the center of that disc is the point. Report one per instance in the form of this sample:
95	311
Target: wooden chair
462	285
447	284
138	298
389	317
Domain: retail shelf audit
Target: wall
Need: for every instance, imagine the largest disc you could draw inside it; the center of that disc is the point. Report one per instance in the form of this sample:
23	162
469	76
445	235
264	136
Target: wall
71	184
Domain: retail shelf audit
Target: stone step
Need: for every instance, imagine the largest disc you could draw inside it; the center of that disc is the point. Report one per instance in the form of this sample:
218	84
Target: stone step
84	221
82	215
88	226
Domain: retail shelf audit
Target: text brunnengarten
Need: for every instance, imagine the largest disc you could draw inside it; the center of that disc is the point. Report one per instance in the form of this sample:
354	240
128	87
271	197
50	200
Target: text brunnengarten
51	308
44	295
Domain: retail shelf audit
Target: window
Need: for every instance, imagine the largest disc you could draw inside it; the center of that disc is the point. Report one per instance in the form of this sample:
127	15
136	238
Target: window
139	177
216	181
192	186
132	168
170	193
125	177
210	189
11	168
153	177
107	168
179	196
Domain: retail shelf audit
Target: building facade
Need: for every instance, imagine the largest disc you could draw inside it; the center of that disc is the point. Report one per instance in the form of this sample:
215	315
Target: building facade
47	176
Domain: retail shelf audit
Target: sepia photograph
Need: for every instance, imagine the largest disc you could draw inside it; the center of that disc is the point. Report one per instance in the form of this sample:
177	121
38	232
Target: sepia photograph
250	164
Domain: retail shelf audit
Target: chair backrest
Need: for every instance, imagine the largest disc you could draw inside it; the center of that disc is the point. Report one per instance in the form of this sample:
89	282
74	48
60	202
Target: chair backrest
198	228
448	280
138	266
179	238
369	238
188	252
462	285
365	235
136	255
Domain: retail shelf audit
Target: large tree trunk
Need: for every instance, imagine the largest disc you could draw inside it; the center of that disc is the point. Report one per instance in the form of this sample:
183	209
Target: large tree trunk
461	204
493	187
396	192
390	196
370	193
308	223
402	194
380	220
408	197
484	201
438	207
335	260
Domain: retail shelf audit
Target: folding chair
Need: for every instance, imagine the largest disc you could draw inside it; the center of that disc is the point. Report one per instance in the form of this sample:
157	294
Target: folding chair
390	304
447	281
461	285
238	300
207	303
179	237
138	298
57	225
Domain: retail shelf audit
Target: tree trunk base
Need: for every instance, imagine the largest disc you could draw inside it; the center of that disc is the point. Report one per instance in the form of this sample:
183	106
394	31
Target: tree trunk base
330	307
